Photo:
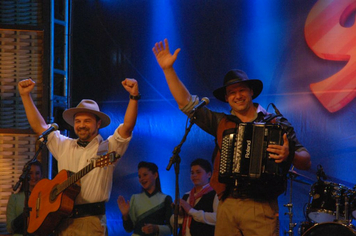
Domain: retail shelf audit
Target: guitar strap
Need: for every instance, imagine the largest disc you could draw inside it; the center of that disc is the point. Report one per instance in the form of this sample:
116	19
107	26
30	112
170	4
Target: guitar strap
103	148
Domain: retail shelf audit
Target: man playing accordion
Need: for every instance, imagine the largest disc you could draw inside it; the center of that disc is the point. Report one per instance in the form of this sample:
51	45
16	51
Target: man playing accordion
242	209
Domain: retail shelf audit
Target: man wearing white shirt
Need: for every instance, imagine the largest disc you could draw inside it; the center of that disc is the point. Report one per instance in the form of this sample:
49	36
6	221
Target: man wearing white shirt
88	217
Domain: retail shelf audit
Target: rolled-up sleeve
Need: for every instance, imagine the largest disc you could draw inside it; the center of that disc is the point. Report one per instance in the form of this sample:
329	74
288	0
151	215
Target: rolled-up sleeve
194	100
206	119
119	143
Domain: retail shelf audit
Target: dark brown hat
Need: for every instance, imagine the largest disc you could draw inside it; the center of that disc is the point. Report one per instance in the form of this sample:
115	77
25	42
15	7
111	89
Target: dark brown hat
238	76
86	105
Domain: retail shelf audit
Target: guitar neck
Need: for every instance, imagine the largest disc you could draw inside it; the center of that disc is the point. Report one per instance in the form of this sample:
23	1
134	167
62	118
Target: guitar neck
105	160
75	177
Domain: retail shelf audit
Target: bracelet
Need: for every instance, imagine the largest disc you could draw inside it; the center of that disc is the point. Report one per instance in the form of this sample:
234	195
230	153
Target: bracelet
137	97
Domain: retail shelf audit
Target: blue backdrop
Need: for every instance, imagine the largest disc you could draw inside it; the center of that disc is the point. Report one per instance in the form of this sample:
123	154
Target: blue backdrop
112	40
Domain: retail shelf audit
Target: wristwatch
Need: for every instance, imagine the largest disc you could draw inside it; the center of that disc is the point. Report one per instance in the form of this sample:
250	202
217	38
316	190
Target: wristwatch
137	97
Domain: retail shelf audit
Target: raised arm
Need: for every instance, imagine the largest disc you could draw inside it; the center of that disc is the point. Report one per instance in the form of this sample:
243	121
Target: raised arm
126	129
34	117
166	60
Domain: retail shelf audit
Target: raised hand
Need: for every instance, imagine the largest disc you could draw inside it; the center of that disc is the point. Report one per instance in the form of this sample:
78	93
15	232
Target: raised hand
163	56
131	86
124	206
26	86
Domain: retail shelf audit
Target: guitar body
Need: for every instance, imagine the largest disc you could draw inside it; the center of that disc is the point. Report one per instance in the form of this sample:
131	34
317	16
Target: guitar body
53	200
47	208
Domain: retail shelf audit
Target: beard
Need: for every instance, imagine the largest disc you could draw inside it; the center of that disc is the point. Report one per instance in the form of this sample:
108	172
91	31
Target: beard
84	134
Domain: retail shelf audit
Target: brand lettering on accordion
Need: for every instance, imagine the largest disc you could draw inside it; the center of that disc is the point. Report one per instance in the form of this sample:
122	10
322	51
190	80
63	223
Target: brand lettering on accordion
248	149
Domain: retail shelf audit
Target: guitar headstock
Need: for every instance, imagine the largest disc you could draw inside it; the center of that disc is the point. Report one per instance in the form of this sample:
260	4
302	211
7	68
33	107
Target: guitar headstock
106	160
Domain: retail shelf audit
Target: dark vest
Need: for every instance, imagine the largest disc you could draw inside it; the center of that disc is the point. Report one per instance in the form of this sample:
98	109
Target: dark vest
205	204
214	181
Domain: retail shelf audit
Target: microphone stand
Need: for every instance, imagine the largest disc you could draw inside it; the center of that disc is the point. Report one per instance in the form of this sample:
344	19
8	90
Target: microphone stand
175	159
24	178
290	206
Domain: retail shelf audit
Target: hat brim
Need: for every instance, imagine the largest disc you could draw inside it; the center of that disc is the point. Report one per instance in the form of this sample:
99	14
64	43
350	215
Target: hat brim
68	116
255	84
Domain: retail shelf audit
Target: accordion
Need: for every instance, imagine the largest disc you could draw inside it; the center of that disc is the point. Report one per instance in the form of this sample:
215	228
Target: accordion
244	155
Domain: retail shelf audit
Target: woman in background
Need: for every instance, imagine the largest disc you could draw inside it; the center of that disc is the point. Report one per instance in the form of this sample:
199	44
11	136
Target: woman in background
16	203
148	212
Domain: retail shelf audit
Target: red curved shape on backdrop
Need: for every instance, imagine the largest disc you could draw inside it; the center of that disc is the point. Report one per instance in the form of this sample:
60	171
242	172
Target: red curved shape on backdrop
329	39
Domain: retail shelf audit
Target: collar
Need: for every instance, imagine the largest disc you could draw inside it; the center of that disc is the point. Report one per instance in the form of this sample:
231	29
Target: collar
260	113
84	144
152	194
260	109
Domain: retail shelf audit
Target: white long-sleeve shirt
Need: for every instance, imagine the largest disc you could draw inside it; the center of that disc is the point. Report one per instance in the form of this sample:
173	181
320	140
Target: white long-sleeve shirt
96	185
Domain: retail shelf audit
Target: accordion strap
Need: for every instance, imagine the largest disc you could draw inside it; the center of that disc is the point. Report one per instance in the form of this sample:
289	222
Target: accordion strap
270	117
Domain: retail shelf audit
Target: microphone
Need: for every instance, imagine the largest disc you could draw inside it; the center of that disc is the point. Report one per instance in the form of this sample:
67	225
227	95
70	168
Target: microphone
320	173
53	127
275	109
204	101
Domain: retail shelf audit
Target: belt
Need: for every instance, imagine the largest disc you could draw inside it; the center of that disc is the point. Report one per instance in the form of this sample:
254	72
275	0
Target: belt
252	192
90	209
245	189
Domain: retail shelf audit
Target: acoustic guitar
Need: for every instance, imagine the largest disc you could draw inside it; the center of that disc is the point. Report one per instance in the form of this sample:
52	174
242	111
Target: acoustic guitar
52	200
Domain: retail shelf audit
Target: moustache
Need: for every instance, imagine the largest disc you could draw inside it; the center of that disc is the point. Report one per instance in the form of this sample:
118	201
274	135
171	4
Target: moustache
80	129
